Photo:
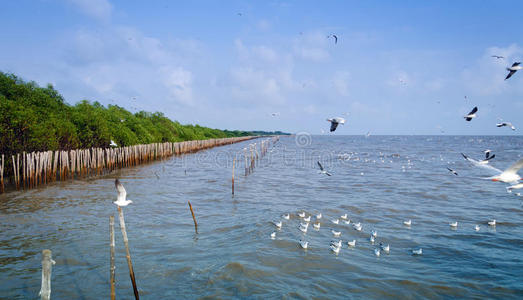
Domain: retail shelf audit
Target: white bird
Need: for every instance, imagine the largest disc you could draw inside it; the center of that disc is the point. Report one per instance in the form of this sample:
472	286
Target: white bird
408	223
336	233
323	171
303	229
492	223
346	222
273	235
454	224
351	243
337	221
386	249
318	216
316	226
471	114
476	227
452	171
113	144
277	224
372	239
508	124
509	175
377	252
301	215
286	216
514	187
374	233
121	198
357	226
335	249
344	217
335	122
308	219
513	69
336	244
304	244
417	252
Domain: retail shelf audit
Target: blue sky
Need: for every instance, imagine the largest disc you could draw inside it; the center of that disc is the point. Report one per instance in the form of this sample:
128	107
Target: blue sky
399	67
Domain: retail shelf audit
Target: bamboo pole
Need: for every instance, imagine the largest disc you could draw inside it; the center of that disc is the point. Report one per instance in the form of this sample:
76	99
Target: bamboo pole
193	217
111	245
128	253
2	175
47	265
233	162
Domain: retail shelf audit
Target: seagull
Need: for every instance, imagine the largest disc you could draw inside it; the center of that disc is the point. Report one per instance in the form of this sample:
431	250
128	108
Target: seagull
452	171
305	225
492	223
286	216
316	226
336	244
303	229
386	249
122	194
335	249
374	233
318	216
347	222
344	217
497	56
471	114
480	162
351	243
323	171
408	223
337	221
508	124
513	69
308	219
113	144
514	187
509	175
377	252
335	38
301	215
454	225
476	227
417	252
304	244
357	226
277	224
273	235
335	122
372	239
336	233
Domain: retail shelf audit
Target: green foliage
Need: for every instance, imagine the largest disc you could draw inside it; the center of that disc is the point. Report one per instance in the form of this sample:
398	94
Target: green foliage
33	118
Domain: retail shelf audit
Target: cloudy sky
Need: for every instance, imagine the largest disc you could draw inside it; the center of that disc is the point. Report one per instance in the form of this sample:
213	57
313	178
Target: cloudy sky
399	67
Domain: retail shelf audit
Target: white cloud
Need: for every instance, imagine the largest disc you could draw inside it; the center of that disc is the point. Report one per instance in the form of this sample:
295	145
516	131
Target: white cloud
179	82
312	46
341	84
98	9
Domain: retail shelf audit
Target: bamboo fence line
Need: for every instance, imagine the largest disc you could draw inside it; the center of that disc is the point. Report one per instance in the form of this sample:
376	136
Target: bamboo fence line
251	156
39	168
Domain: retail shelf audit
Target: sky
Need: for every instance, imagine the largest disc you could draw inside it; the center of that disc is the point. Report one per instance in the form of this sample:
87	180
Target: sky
398	67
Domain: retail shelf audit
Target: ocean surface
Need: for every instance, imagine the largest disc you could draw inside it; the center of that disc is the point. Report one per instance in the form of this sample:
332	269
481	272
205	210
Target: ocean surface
379	181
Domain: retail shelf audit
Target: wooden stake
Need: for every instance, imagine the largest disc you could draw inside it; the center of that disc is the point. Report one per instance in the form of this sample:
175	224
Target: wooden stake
111	245
47	263
233	162
128	253
193	217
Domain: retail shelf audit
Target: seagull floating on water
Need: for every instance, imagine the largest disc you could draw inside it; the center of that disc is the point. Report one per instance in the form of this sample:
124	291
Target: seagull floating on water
377	252
471	114
316	226
417	252
301	215
372	239
351	243
336	244
337	221
308	219
273	235
454	224
318	216
347	222
303	229
336	233
507	124
385	249
335	249
357	226
408	223
304	244
492	223
513	69
476	227
277	224
344	217
286	216
374	233
335	122
121	198
323	171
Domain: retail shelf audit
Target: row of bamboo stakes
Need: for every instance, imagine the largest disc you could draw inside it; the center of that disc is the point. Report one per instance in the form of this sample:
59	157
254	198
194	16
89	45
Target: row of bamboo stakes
251	156
39	168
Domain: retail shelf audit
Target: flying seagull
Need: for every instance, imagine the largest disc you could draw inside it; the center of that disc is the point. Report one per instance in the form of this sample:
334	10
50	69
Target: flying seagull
335	38
513	69
323	171
471	114
508	124
497	56
452	171
122	194
113	144
335	122
480	162
510	175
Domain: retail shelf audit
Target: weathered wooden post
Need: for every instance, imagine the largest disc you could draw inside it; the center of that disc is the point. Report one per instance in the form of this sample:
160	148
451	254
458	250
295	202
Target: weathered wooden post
233	162
111	245
47	264
2	175
128	253
193	217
